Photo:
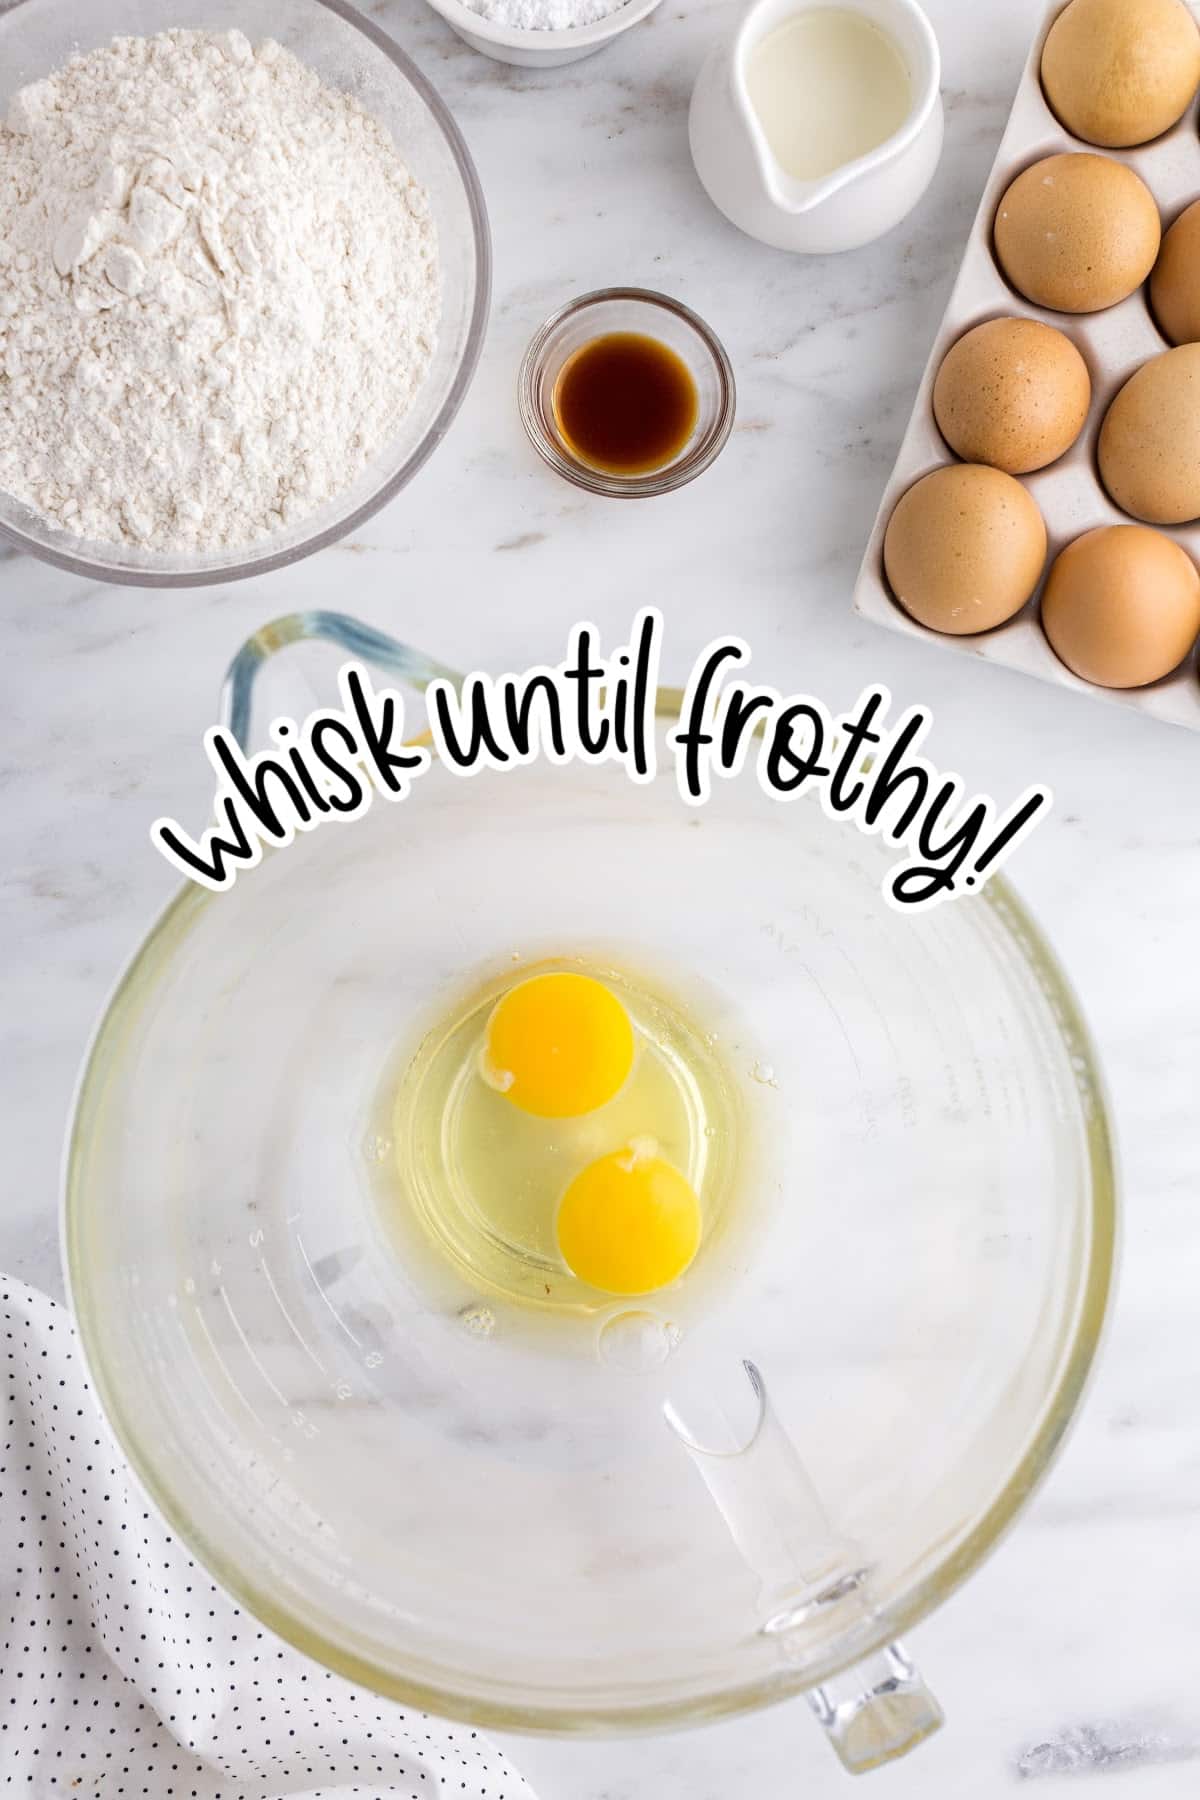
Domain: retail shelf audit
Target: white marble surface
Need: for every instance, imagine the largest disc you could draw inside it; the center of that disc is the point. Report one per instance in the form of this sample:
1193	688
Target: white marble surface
1073	1651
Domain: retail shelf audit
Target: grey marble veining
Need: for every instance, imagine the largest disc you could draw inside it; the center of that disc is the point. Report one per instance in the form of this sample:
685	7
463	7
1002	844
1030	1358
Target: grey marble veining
1072	1654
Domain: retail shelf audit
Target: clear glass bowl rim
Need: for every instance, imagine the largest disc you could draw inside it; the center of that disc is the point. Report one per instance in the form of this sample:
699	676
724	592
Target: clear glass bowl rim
1059	1405
244	565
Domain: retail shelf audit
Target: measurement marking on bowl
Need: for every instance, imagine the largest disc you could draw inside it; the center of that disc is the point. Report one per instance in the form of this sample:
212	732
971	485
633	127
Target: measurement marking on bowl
307	1348
336	1315
236	1390
838	1020
868	997
233	1319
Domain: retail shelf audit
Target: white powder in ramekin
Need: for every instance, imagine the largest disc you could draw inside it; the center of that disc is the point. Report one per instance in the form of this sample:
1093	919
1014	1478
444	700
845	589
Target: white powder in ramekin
219	292
544	15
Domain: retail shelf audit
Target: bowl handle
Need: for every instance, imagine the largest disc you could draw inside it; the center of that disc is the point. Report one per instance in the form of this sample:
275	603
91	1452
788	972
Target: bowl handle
810	1574
877	1710
257	685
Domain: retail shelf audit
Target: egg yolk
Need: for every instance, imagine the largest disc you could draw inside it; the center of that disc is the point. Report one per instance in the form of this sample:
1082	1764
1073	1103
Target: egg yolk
558	1045
629	1223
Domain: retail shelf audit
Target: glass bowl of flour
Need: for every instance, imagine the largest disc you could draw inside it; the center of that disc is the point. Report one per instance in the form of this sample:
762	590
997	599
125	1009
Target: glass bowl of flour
244	279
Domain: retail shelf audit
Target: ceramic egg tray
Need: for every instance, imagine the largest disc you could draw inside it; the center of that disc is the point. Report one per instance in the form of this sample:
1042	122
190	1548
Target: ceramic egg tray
1113	343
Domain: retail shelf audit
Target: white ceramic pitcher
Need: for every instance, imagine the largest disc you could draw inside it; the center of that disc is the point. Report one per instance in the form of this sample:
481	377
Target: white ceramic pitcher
857	201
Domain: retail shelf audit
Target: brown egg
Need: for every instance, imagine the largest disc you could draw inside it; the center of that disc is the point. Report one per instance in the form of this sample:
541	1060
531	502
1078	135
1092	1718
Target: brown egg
1150	440
964	548
1120	72
1121	605
1077	232
1175	282
1013	393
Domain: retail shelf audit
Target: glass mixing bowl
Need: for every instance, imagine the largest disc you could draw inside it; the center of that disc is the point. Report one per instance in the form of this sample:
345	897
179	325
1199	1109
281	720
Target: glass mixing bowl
348	51
406	1480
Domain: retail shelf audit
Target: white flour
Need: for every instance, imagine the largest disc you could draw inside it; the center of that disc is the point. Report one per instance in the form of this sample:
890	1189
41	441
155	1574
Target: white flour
218	291
544	15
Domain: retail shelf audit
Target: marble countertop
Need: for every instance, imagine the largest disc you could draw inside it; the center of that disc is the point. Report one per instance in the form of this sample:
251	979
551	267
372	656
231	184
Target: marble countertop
1073	1651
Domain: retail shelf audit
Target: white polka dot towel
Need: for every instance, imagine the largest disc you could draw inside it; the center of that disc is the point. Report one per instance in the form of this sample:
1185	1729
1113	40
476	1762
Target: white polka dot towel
124	1673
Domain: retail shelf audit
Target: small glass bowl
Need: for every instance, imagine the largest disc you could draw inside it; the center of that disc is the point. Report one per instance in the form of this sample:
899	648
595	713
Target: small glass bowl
657	316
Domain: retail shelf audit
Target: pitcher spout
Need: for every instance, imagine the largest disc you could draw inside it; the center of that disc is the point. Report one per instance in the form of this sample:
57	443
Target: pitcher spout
797	197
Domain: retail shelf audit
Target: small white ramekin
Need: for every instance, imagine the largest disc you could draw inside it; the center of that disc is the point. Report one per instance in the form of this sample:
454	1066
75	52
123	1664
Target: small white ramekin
539	49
